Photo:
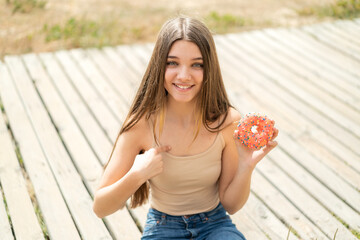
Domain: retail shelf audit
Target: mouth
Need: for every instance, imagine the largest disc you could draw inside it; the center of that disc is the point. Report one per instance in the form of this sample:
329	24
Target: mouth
182	87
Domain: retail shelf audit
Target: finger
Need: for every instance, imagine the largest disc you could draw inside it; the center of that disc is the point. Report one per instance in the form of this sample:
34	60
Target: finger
272	144
275	134
161	149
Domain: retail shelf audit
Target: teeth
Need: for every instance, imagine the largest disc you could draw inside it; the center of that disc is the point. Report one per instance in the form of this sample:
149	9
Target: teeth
183	87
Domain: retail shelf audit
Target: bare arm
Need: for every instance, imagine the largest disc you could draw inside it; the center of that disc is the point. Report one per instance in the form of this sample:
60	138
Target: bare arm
238	163
125	172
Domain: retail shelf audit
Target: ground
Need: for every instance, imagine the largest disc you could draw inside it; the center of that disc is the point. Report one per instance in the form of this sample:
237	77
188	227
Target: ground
48	25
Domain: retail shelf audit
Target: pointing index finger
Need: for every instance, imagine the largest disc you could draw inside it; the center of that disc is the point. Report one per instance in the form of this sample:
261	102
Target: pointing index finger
162	149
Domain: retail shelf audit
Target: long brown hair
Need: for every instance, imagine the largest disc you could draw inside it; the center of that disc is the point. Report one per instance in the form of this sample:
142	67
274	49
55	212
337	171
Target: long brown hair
151	96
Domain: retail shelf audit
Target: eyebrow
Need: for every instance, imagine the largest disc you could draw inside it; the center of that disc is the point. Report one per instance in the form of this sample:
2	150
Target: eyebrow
198	58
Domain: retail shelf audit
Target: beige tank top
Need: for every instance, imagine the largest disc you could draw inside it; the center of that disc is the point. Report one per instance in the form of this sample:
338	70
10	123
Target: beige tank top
188	185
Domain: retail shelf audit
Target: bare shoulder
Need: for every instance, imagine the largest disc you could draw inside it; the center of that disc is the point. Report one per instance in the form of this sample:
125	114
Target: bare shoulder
230	124
233	116
129	144
140	135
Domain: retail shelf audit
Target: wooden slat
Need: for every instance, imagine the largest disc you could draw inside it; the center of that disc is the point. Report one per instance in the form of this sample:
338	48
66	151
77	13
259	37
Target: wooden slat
317	95
311	184
345	190
97	79
301	61
76	106
307	204
265	220
113	74
52	205
287	113
311	105
120	223
253	74
284	209
349	217
126	74
301	201
348	27
332	41
92	99
70	183
343	90
5	229
22	213
248	227
285	122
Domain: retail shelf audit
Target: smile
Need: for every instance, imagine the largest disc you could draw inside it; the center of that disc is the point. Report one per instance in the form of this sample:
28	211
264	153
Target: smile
184	87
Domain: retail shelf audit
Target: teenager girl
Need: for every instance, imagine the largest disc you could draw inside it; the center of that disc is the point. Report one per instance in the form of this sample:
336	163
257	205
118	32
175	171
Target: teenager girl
178	141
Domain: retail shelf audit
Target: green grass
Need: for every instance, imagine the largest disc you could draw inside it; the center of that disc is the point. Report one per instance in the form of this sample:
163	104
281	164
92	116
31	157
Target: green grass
222	23
26	6
82	32
341	9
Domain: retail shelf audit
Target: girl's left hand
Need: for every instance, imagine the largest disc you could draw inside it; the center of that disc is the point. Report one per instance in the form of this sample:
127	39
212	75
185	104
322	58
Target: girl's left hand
250	157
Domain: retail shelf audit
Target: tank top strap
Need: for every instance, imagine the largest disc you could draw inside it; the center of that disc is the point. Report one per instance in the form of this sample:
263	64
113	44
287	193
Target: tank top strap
151	127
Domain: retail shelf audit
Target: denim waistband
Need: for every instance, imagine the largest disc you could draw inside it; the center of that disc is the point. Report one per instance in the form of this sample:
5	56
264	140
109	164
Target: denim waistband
199	216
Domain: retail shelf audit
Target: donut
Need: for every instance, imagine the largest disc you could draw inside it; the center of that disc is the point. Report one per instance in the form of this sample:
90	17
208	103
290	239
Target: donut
255	130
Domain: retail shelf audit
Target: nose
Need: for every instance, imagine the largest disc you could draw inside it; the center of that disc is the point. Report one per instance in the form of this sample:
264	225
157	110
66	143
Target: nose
184	74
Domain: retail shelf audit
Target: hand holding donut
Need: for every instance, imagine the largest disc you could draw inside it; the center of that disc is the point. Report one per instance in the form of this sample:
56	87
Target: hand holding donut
254	137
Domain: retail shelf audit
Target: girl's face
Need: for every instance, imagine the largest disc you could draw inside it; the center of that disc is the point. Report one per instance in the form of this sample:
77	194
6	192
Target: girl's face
184	71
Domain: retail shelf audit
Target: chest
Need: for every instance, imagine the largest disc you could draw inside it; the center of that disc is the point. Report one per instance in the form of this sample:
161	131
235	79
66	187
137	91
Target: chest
185	142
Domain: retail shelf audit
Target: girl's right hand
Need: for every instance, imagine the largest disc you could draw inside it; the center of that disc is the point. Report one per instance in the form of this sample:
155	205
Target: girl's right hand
150	163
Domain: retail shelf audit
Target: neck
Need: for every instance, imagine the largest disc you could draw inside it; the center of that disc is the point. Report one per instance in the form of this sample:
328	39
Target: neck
184	113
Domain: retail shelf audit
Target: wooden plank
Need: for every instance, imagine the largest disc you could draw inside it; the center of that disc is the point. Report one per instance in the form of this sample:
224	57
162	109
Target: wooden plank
323	101
317	190
290	101
265	220
343	87
317	62
284	209
284	123
77	107
321	48
92	99
303	201
127	74
5	229
297	90
138	65
252	81
120	223
22	213
114	76
333	42
52	205
324	173
349	27
331	29
312	187
77	198
319	96
97	79
248	227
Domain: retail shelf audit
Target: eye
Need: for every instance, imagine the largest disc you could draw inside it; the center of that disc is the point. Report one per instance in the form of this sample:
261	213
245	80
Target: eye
198	65
171	63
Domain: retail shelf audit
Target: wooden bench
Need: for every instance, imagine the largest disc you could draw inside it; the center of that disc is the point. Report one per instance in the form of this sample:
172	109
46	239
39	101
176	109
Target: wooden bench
61	113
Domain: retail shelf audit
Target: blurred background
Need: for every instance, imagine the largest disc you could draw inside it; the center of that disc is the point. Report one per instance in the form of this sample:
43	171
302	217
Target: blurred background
48	25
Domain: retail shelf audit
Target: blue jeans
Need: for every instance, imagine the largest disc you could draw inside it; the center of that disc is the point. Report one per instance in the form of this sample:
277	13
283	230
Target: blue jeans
213	225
